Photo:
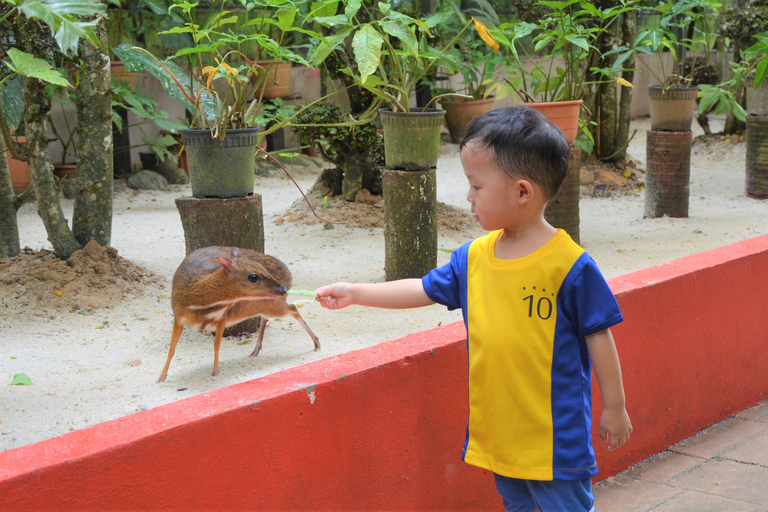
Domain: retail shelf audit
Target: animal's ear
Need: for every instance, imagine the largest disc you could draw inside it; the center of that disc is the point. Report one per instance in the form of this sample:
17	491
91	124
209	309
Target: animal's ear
227	265
235	252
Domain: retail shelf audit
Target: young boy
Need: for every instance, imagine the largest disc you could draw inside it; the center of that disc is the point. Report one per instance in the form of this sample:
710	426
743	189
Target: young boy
537	312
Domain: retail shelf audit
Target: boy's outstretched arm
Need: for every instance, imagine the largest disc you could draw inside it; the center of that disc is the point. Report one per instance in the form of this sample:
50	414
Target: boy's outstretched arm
401	294
614	422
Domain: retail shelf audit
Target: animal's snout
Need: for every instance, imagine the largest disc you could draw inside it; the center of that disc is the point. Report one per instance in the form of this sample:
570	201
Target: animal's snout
282	290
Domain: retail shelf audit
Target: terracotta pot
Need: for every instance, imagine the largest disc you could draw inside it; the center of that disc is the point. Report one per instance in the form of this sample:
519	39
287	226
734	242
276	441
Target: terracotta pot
672	109
278	82
459	112
65	171
563	114
121	74
20	176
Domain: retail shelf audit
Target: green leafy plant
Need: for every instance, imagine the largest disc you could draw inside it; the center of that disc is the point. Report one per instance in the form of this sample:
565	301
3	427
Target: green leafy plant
566	34
676	31
223	90
475	59
393	51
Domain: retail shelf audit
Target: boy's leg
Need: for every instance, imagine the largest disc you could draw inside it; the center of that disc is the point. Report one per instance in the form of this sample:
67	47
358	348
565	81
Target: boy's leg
560	495
514	494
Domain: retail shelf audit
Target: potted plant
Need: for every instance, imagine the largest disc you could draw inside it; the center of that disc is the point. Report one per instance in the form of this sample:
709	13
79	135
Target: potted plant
221	142
673	99
477	63
554	81
393	53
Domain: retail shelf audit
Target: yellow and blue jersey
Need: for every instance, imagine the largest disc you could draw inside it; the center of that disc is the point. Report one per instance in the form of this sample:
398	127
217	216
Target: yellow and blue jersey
530	376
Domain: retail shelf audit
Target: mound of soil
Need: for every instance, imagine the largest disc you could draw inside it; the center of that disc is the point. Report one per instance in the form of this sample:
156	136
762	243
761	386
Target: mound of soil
94	277
600	179
367	211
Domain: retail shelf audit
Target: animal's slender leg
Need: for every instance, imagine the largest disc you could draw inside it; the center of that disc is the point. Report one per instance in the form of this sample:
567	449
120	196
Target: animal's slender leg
262	327
295	314
217	344
178	327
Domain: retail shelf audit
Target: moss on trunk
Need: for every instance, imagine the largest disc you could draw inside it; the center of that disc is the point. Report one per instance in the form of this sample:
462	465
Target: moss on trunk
37	106
410	223
92	218
9	229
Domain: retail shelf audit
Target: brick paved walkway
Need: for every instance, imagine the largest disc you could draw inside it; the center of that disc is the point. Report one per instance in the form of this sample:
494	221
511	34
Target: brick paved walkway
721	469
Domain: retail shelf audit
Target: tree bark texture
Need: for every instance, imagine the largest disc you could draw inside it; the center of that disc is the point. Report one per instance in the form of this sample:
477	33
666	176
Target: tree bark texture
37	106
667	178
233	222
628	35
9	228
562	211
757	157
410	223
608	117
92	218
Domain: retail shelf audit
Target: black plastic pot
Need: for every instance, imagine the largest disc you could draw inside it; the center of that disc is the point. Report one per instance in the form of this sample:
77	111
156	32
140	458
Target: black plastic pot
221	168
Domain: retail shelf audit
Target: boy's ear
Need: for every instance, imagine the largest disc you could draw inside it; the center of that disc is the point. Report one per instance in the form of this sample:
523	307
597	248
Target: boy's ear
525	191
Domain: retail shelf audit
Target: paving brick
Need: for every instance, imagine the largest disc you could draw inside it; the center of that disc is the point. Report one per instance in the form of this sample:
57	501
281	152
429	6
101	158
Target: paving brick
622	494
716	439
756	413
703	502
754	450
663	467
729	479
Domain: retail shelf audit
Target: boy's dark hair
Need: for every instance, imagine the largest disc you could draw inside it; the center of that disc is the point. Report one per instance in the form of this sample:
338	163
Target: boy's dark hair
525	144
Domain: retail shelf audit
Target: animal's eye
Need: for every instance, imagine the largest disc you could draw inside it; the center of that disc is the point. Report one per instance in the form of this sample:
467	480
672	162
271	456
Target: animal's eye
254	278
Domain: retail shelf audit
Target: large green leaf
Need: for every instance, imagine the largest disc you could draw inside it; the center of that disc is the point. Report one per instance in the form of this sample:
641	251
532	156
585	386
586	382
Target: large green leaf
59	15
366	45
13	101
136	60
30	66
402	32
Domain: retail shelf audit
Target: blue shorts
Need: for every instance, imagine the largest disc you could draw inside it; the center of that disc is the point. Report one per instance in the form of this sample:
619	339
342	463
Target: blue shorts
548	496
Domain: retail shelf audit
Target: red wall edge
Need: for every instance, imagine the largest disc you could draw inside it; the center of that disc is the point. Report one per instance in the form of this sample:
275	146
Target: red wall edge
382	428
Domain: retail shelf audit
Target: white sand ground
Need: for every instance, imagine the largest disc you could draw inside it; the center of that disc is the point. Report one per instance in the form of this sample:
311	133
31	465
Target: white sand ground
82	375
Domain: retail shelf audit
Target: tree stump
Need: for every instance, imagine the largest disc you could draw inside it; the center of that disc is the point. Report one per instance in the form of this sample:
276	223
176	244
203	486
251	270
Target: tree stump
757	157
233	222
667	178
410	223
563	209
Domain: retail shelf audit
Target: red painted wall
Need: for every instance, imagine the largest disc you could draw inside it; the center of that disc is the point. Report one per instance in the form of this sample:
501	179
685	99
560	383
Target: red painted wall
382	428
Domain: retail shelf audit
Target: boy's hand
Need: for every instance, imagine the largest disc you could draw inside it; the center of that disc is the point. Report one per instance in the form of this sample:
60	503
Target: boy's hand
335	296
615	427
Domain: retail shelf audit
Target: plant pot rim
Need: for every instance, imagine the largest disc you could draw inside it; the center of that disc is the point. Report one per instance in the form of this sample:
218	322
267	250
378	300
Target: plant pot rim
430	112
250	129
464	100
686	88
564	103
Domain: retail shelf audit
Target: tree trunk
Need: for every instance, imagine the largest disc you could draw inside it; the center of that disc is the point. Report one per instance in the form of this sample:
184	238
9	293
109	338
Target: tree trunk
9	229
38	105
628	35
607	101
92	218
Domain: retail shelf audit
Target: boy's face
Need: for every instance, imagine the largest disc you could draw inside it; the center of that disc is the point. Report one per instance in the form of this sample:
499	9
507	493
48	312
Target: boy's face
493	194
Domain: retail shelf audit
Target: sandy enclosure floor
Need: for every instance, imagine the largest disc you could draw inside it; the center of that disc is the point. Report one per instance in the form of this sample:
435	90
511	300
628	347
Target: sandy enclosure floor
91	368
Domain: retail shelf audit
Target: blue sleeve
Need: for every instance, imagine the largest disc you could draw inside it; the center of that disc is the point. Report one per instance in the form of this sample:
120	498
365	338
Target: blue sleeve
445	285
589	301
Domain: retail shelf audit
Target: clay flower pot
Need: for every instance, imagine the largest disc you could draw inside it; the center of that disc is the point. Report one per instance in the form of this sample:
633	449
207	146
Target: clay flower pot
20	176
459	112
563	114
672	109
277	84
